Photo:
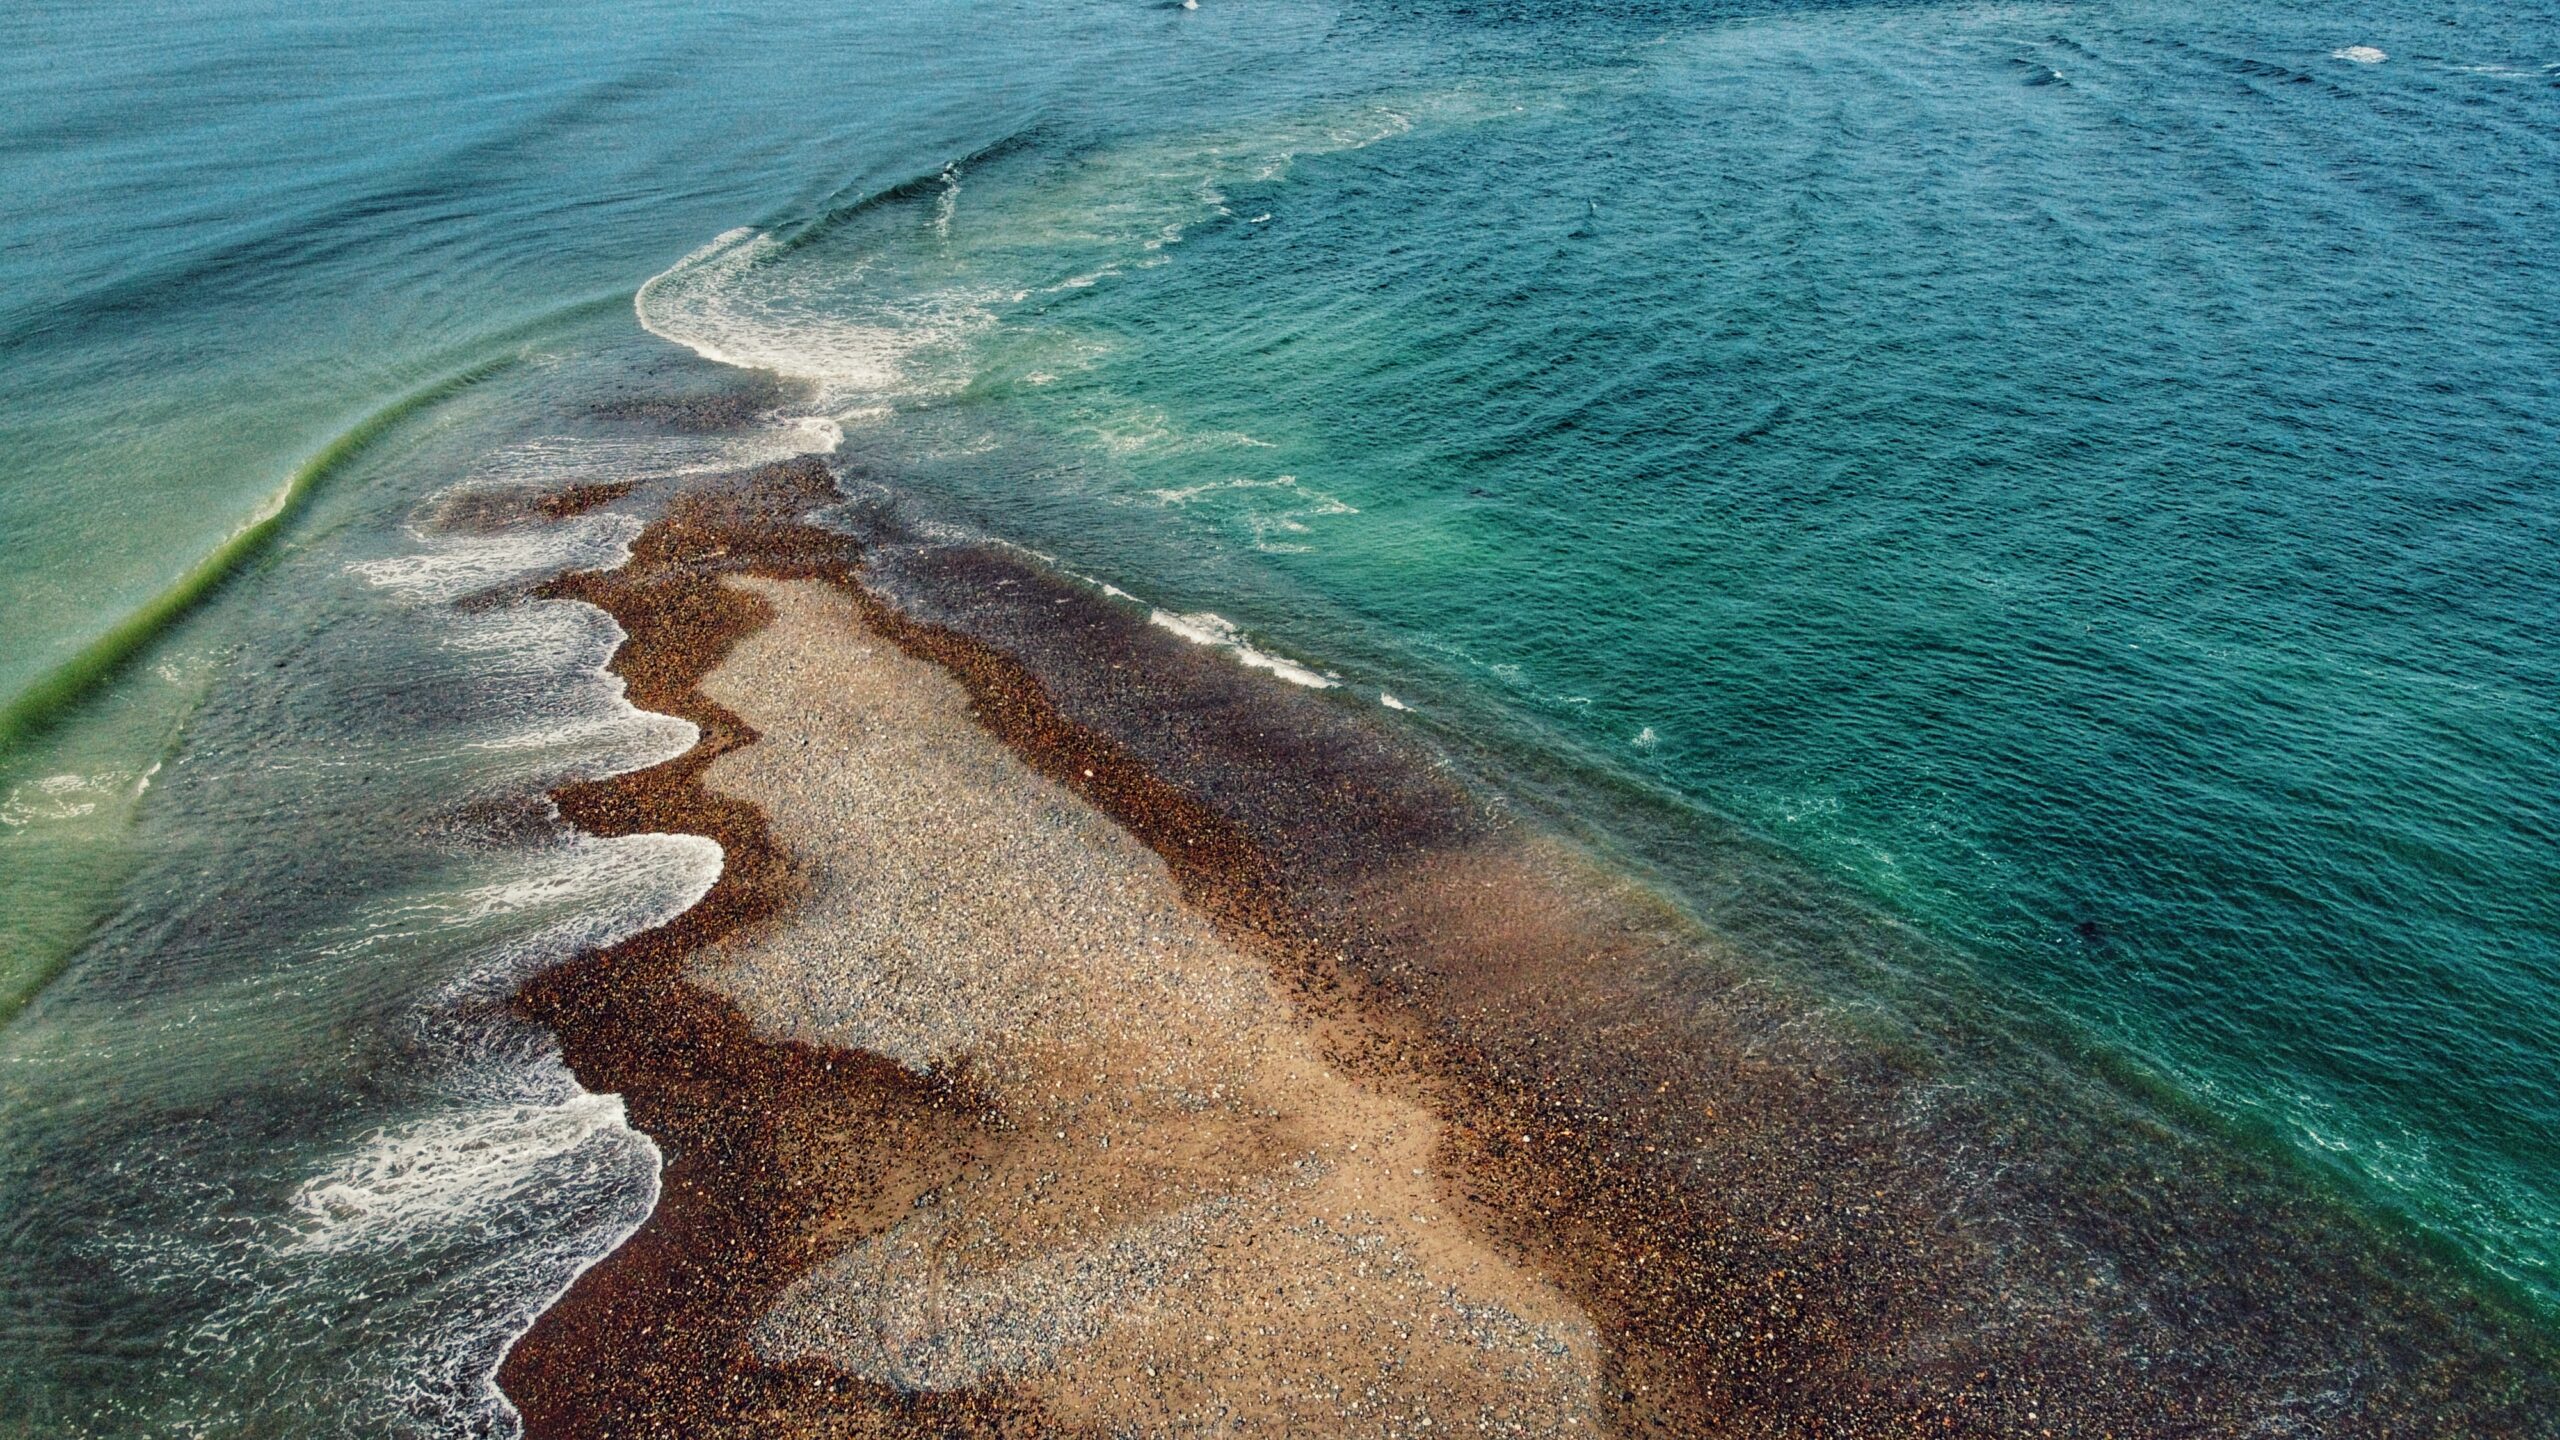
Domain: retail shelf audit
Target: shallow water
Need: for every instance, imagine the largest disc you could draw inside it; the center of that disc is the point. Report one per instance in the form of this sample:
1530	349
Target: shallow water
2036	518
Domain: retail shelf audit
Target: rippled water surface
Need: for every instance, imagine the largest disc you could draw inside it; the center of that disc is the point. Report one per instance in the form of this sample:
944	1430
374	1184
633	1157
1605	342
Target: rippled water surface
2072	491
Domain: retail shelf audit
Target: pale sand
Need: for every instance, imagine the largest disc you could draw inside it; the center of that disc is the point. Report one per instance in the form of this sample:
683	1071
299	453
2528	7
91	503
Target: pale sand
1187	1221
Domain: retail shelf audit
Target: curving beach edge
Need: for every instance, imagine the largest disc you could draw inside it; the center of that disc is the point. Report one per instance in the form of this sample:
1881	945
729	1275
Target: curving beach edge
1091	1035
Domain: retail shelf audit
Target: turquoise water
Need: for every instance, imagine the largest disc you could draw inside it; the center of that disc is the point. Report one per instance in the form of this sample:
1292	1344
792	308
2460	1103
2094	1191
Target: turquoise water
2073	489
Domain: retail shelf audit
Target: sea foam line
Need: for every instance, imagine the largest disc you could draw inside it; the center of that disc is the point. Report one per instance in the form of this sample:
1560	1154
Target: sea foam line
1205	628
706	303
498	1160
693	863
1208	628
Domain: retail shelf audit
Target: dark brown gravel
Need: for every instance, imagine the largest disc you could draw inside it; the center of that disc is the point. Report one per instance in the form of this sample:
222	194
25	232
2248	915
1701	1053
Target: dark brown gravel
492	509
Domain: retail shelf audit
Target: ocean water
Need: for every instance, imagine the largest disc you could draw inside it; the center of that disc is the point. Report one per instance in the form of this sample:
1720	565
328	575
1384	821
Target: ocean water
2039	519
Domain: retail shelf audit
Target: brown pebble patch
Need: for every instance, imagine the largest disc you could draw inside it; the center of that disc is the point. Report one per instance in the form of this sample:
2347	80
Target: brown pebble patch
494	509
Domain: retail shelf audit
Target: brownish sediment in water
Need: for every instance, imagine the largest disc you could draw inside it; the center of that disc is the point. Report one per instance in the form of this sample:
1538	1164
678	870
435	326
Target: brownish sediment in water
1772	1228
490	509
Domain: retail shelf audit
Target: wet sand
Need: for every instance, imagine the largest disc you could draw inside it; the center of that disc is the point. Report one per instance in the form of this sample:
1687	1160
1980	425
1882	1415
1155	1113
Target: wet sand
1011	1079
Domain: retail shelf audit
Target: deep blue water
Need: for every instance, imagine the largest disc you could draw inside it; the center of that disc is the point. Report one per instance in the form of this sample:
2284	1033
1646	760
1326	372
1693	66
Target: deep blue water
2076	487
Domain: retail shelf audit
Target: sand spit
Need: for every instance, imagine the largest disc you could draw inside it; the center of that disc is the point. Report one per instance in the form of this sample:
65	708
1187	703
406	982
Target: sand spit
1187	1220
1234	928
793	1165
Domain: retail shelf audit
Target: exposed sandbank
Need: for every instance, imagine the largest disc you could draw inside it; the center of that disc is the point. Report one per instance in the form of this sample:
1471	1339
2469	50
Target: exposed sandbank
1187	1219
882	1057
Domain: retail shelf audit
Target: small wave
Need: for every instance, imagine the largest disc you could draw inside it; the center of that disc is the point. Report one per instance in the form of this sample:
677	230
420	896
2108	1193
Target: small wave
446	1234
1320	502
1201	627
612	889
1273	531
41	702
456	566
559	460
547	696
68	796
2359	55
523	1180
1333	136
643	737
438	1175
449	567
438	1240
2511	72
555	1184
579	896
946	206
883	321
730	303
1216	632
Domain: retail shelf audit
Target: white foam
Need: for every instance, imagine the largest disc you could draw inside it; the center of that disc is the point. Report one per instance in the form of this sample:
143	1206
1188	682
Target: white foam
538	675
557	901
946	206
467	1177
2359	55
526	1181
1273	531
1322	503
1334	136
453	566
666	875
731	303
605	891
437	1175
868	317
1215	631
1202	627
483	1211
648	736
554	460
582	725
67	796
1392	702
439	1239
